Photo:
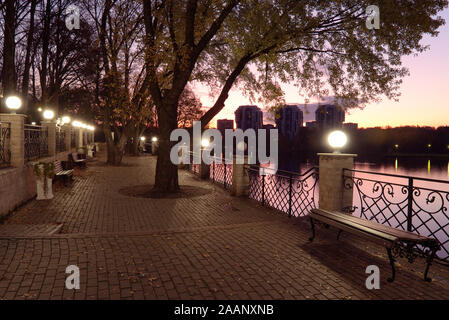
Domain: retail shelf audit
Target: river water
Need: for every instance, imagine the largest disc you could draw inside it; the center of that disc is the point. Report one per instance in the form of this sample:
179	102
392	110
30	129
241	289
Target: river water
385	198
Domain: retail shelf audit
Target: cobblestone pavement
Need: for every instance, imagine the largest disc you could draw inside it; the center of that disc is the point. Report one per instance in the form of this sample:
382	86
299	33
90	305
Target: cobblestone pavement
209	247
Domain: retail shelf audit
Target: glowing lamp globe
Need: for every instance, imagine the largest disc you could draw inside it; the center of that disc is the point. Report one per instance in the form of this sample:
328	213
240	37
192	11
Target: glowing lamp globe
154	139
337	139
13	103
66	119
142	138
48	114
204	143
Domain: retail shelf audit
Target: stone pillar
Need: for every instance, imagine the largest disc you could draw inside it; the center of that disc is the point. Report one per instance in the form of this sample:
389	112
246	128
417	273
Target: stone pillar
51	127
17	137
204	169
154	147
79	138
333	195
68	136
240	178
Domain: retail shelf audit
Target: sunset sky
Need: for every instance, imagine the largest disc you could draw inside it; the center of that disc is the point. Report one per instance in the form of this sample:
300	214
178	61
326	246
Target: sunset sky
424	100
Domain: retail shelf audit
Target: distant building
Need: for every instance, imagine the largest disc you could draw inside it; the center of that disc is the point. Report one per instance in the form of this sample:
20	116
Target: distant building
311	124
350	126
248	117
224	124
329	116
288	120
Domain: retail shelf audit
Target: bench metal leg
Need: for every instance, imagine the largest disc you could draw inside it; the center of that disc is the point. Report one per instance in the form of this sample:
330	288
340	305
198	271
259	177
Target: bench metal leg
313	230
339	233
429	263
393	271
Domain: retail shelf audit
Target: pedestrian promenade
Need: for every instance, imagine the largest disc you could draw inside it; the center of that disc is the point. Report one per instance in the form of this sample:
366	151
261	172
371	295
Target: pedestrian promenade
211	246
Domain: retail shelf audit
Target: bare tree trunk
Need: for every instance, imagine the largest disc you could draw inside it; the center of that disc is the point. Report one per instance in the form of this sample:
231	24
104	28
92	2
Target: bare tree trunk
29	48
166	179
8	71
45	44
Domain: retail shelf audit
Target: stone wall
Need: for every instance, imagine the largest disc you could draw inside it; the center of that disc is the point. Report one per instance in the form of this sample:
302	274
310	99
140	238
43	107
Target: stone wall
18	185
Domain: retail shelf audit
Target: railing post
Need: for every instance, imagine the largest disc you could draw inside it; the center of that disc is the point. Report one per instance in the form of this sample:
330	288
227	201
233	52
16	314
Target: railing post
332	195
16	137
68	137
240	177
203	169
263	188
410	204
290	196
51	139
213	171
224	174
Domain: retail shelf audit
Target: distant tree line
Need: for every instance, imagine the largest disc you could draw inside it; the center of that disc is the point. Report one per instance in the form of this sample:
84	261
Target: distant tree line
373	142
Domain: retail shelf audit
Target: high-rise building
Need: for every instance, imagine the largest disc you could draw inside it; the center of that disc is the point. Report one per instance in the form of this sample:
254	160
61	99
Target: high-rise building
224	124
329	116
248	117
288	120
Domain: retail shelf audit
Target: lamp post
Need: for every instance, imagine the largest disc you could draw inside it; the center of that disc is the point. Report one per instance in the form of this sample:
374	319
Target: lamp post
332	193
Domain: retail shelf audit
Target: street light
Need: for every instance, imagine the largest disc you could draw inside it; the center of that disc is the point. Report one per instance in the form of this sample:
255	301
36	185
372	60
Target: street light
204	143
48	114
66	119
13	103
154	139
142	138
337	139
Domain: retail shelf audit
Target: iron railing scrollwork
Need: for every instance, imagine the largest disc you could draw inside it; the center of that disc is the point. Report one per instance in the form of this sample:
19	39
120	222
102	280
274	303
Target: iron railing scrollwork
413	204
36	142
5	144
292	193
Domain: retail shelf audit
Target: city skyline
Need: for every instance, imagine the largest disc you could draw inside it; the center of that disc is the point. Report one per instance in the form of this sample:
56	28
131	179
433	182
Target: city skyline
425	89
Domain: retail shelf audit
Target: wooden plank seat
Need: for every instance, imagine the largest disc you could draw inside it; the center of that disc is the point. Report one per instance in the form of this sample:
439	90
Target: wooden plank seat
77	160
399	243
61	172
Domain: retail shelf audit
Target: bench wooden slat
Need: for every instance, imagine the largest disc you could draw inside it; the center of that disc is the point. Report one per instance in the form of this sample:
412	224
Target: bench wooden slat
395	241
402	235
357	229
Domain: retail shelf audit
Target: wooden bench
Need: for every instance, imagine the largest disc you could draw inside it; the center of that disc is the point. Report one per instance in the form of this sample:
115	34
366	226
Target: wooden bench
398	243
61	172
77	160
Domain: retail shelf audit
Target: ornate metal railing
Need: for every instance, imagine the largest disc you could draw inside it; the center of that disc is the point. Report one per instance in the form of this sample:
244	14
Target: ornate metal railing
293	193
72	139
409	203
60	141
36	142
193	167
221	172
5	142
